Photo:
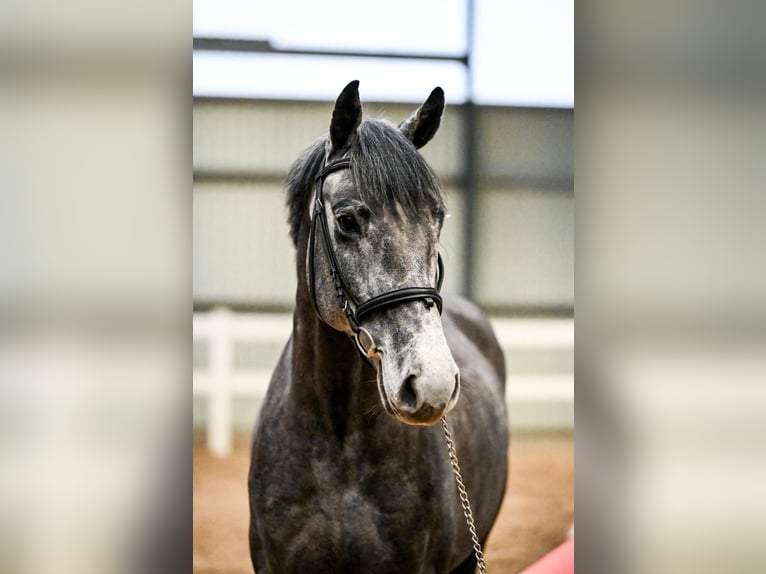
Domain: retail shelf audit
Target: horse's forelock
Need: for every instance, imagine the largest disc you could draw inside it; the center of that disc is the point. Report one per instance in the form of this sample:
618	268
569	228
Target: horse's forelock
387	169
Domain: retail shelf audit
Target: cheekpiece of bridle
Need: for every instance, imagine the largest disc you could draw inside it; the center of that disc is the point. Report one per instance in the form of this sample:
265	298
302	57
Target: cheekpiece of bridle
354	310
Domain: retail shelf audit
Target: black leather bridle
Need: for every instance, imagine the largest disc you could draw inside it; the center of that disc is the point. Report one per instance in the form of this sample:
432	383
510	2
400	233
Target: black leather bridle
354	310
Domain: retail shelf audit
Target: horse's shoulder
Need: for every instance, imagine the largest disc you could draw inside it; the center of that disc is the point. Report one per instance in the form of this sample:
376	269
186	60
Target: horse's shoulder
465	313
464	320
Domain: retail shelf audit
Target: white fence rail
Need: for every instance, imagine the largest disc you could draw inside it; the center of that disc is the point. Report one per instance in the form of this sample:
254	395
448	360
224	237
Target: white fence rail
530	396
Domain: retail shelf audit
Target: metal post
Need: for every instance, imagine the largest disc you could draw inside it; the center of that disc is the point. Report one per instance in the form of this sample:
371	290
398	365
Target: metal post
219	412
470	180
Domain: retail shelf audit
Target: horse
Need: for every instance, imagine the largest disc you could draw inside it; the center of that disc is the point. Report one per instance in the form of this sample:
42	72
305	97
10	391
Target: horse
349	471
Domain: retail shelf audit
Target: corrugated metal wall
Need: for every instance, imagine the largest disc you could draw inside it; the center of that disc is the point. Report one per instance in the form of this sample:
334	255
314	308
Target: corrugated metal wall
525	226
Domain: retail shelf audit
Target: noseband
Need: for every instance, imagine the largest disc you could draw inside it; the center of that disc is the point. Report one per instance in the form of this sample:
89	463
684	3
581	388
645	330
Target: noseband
354	310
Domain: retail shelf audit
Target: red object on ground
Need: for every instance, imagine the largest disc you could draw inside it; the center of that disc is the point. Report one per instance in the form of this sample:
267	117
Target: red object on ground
560	560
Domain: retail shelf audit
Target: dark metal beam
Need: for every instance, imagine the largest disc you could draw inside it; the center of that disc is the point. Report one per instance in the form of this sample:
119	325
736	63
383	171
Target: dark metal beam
510	310
540	185
265	47
470	179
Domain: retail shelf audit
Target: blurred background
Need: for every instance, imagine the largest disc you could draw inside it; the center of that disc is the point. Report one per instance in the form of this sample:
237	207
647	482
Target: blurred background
265	82
97	276
504	154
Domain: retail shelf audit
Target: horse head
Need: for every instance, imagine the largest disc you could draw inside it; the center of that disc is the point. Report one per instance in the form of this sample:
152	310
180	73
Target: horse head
382	213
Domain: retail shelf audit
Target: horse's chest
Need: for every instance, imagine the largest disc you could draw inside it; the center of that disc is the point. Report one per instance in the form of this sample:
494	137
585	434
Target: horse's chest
339	490
348	531
387	516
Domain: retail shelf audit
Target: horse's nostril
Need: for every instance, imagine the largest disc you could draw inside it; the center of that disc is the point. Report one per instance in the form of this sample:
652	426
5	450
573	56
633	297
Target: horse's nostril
408	397
457	387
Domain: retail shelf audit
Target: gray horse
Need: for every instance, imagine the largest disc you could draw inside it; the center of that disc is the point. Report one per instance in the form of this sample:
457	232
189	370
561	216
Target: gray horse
349	473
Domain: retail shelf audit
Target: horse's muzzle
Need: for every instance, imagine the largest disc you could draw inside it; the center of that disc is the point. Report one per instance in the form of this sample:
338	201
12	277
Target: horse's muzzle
423	399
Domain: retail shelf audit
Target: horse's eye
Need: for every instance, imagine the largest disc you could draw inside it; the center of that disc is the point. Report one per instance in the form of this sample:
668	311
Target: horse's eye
347	223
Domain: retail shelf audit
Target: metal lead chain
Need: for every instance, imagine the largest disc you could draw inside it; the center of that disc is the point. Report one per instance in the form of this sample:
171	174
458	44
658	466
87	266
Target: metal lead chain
464	499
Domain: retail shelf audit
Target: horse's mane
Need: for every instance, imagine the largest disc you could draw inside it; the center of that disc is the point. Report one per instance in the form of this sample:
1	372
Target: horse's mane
386	167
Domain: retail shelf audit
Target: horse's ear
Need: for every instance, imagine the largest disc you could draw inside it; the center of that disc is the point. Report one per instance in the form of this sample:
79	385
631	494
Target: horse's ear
421	126
346	116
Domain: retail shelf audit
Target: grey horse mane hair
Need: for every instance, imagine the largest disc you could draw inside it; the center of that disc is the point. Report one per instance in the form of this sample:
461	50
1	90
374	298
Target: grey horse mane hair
385	166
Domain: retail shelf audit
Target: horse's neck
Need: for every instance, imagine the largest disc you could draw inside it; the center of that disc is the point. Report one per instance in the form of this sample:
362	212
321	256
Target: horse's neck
330	382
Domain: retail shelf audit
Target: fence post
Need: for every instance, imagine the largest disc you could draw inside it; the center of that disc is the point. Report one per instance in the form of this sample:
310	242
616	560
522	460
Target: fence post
219	423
